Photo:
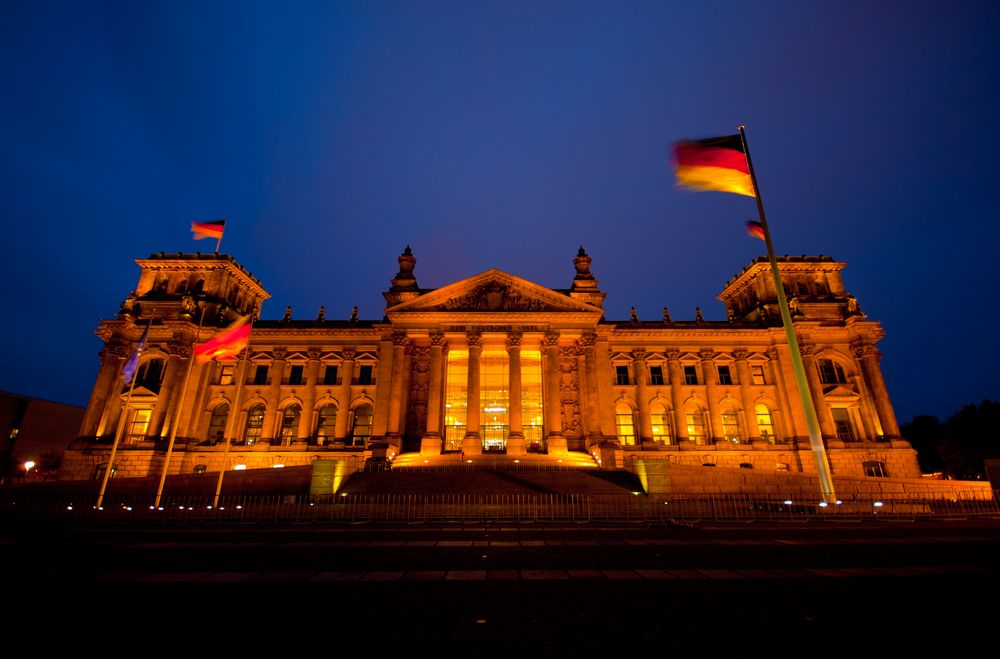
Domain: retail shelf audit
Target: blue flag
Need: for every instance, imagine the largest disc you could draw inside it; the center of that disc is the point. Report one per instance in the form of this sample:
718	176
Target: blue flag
128	370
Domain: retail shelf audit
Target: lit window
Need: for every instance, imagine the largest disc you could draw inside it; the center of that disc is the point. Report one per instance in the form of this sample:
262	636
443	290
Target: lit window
226	373
494	399
295	375
326	424
254	425
690	375
625	421
695	419
290	424
765	424
656	375
362	430
531	398
875	469
330	375
217	426
830	372
260	375
366	374
842	421
456	399
731	426
621	375
661	423
139	425
757	374
725	377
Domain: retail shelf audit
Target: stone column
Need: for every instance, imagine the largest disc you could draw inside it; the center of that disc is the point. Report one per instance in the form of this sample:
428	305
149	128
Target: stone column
515	438
271	418
823	413
108	380
555	443
583	390
431	442
676	397
605	393
174	405
172	374
393	426
746	395
592	401
711	378
346	373
871	429
645	422
383	386
870	357
472	443
306	421
786	432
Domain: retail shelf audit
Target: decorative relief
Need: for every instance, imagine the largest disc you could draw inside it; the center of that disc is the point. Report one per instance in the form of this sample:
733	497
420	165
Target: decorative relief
588	340
416	409
118	349
280	352
569	390
807	350
772	354
673	355
741	355
495	296
177	348
861	350
314	353
348	355
707	355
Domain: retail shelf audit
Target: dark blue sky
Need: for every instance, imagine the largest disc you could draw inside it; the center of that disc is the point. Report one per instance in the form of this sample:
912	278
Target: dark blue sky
500	135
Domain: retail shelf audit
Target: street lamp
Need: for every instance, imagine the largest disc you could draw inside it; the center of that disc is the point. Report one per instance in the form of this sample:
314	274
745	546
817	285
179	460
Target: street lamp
28	466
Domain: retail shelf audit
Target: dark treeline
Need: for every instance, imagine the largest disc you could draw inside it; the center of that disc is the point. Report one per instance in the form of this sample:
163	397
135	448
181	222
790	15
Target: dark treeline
959	446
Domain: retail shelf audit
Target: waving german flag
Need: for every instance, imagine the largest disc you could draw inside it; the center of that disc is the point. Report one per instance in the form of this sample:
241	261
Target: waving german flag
226	344
717	164
212	229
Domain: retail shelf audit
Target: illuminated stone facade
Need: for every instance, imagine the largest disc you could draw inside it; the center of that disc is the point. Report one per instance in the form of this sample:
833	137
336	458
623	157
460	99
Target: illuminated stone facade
494	363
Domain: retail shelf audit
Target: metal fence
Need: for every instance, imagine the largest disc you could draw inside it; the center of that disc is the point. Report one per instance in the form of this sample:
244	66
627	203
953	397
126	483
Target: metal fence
302	509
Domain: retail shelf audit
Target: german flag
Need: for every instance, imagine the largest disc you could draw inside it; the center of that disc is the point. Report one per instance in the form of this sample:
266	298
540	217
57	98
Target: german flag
208	229
225	345
718	163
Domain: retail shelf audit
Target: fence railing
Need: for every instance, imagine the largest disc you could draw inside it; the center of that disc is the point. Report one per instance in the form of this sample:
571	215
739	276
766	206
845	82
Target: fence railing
46	509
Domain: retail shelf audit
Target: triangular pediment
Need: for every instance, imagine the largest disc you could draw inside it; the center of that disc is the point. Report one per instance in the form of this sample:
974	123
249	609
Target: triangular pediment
840	391
494	291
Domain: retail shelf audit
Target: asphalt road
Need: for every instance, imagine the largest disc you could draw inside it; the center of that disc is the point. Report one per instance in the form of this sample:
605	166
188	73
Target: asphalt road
792	589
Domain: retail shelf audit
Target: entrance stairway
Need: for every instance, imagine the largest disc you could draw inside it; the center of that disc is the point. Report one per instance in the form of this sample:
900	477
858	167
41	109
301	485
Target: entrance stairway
569	474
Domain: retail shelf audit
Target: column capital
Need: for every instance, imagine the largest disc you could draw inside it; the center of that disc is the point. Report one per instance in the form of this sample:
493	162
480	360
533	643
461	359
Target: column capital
177	349
707	355
399	339
551	339
279	353
116	350
862	350
741	355
807	350
513	340
474	339
772	354
348	354
437	338
314	353
639	355
588	340
673	355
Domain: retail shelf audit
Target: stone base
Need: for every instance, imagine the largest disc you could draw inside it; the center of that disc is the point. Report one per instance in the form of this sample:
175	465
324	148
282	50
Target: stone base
556	444
394	439
472	444
516	444
430	444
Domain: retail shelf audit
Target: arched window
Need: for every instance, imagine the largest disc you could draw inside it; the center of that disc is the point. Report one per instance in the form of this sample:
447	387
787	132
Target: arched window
830	372
661	422
694	417
326	424
362	430
625	422
765	422
150	374
731	425
255	423
290	424
217	426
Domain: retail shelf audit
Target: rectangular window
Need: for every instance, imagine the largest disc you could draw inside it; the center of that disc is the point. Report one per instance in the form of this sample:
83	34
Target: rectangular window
731	427
757	374
842	420
139	426
260	375
366	374
725	377
226	373
456	399
531	398
295	375
330	375
621	375
656	375
690	375
494	399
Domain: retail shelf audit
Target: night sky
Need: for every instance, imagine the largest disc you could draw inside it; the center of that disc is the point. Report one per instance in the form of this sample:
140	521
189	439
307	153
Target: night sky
505	134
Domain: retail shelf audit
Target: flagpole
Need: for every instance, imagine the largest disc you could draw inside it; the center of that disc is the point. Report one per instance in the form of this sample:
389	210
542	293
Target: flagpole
812	423
233	413
218	243
177	412
121	423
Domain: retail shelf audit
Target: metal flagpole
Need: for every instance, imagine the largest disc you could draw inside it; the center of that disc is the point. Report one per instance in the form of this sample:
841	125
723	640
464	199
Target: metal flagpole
815	438
177	412
121	423
233	413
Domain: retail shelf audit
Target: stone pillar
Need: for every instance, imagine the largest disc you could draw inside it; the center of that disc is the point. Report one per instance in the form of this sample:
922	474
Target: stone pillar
431	442
173	403
108	380
472	443
271	418
642	402
869	357
346	373
592	400
711	378
746	395
306	421
383	386
173	372
394	425
868	419
555	442
823	413
788	431
676	397
515	438
605	393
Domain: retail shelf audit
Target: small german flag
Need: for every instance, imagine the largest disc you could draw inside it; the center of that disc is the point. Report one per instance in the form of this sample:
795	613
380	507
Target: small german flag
755	229
718	163
212	229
